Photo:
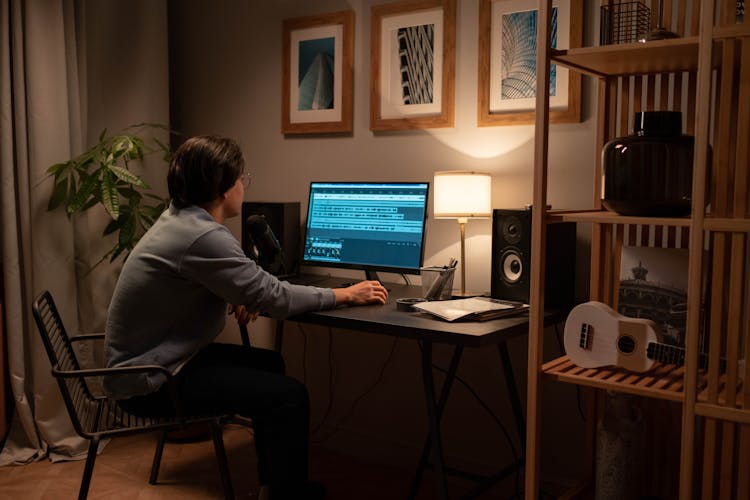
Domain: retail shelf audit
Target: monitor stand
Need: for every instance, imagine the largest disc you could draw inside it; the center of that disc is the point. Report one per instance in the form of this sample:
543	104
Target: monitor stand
369	275
372	275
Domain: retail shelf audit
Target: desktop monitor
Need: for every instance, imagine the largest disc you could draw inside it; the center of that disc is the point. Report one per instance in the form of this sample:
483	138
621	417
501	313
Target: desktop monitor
372	226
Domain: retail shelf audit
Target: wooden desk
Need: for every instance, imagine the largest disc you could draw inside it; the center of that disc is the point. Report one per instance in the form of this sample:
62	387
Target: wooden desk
387	320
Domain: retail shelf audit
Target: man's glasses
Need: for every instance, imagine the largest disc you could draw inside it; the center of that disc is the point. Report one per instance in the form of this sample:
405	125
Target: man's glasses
245	180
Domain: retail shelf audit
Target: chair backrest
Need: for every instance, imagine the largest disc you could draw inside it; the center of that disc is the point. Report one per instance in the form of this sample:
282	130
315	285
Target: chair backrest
78	398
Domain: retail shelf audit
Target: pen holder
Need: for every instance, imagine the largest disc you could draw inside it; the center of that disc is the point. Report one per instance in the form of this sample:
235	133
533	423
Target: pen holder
437	282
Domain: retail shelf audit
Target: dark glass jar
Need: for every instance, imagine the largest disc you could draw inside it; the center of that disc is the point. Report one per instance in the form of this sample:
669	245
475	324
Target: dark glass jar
650	173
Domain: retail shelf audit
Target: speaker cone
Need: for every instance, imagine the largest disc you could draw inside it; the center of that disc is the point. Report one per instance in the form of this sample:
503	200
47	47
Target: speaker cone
512	229
511	266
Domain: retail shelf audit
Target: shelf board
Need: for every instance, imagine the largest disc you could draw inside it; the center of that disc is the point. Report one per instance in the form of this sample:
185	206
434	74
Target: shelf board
727	224
607	217
732	31
660	56
664	381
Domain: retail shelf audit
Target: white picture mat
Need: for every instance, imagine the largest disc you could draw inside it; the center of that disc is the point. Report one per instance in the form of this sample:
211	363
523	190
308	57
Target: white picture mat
316	115
502	7
390	71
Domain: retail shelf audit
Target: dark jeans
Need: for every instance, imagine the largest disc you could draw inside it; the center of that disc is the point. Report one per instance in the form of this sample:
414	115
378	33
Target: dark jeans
228	378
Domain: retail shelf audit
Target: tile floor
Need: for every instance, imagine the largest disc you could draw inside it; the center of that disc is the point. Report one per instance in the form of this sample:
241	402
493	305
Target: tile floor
188	471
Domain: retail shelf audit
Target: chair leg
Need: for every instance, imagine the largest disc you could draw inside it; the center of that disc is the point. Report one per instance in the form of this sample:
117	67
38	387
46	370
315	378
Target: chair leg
221	458
83	492
157	457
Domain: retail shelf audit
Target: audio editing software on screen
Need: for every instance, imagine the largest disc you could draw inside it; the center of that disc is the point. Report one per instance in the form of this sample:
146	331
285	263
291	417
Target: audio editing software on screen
369	224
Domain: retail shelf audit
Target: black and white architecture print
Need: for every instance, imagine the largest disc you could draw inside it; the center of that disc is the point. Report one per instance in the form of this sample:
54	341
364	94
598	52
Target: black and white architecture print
416	54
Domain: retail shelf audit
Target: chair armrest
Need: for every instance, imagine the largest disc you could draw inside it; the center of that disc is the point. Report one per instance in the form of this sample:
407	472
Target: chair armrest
87	336
98	372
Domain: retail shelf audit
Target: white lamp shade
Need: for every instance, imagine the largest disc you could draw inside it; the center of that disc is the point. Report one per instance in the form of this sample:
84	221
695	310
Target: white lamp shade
462	194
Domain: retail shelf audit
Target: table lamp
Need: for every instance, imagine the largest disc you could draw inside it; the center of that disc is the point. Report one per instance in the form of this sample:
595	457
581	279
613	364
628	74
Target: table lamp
462	195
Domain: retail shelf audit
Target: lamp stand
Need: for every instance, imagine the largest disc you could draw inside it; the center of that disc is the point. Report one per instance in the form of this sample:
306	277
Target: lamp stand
463	293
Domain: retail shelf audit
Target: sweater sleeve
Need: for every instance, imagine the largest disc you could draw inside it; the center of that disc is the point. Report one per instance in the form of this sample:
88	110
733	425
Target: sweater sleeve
217	261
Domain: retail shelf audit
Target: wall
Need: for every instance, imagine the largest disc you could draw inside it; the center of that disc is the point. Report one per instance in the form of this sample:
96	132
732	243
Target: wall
124	81
225	72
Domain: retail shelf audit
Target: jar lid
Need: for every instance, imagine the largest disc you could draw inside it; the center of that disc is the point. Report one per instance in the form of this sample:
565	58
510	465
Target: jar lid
658	123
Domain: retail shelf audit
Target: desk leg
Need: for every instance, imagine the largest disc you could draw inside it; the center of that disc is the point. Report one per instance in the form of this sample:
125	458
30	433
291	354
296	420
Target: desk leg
435	414
279	339
245	336
515	400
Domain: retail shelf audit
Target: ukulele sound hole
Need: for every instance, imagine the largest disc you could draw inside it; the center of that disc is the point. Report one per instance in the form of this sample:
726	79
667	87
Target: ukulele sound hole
626	345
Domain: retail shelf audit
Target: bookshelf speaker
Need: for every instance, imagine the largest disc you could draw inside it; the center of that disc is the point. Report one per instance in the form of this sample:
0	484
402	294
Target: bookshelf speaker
511	258
283	218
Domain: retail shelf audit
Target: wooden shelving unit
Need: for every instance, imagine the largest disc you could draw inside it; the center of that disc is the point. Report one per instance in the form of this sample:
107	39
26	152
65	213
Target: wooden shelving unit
662	56
706	75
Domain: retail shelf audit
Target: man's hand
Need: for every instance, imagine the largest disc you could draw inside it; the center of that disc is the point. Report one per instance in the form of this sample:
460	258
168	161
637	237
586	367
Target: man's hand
364	292
242	315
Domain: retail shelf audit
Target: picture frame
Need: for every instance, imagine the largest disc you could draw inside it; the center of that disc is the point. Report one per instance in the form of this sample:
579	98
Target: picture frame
507	71
313	103
412	65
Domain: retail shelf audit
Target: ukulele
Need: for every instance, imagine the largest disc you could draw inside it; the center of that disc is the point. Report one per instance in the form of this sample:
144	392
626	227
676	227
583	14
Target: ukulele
596	335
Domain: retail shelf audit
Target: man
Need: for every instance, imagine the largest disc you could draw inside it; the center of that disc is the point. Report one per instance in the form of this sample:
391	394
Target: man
171	301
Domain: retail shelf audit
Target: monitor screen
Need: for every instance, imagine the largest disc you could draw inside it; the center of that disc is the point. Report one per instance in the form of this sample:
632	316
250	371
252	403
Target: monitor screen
374	226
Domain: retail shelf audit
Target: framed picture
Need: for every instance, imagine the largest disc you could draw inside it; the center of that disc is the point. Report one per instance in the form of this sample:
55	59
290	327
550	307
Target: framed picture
653	285
413	65
317	74
507	62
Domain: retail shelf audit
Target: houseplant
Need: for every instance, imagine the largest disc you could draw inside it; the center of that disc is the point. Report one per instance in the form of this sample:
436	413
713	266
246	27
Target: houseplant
102	175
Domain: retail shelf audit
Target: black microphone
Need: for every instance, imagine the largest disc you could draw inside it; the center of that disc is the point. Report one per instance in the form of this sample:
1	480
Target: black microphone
267	246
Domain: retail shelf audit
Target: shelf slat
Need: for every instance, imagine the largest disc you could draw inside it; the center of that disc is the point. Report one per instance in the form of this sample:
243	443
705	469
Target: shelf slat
607	217
724	413
728	225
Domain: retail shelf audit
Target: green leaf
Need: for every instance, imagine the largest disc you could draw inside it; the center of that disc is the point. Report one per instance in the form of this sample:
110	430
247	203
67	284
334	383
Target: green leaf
116	251
113	226
100	175
152	211
94	200
127	231
110	197
162	146
127	191
149	214
82	161
136	149
80	197
59	193
126	175
58	167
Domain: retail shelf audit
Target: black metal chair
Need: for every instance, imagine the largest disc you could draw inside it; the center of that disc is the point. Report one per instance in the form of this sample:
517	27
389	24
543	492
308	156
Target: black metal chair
95	417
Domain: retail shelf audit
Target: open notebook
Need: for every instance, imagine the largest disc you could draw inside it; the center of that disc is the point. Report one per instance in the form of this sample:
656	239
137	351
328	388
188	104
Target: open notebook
472	309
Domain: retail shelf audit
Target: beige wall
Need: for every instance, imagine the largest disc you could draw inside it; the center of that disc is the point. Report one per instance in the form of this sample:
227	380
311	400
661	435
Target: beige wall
124	80
225	72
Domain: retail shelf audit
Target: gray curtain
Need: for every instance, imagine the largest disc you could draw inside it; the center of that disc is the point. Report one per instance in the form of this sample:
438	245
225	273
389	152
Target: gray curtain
68	69
40	126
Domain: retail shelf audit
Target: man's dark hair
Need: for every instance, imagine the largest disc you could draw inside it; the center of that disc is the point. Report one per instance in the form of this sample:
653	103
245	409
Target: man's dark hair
202	169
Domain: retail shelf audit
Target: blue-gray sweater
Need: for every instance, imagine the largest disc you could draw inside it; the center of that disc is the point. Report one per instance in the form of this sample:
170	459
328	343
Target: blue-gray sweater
172	295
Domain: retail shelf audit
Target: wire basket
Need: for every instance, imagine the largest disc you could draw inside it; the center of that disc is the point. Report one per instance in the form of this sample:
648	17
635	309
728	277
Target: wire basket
623	22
